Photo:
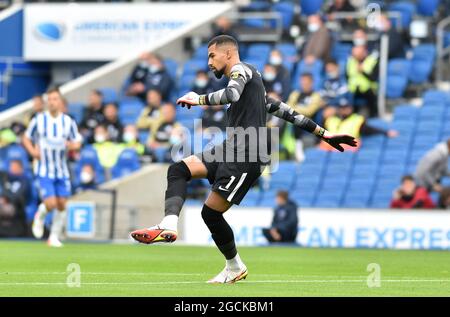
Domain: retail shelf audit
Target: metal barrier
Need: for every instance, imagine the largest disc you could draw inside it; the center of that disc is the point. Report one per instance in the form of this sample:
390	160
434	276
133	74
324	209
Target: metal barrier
261	35
442	51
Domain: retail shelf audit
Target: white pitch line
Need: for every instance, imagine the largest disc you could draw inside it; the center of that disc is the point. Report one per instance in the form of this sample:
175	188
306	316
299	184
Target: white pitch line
295	276
203	282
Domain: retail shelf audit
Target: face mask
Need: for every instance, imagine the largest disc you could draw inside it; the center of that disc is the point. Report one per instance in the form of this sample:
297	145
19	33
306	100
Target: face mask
313	27
129	137
143	64
359	42
86	177
333	75
201	83
99	138
269	76
175	139
153	69
275	60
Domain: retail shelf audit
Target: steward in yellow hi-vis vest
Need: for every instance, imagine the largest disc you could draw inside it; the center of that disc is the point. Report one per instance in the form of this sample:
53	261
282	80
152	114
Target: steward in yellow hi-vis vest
345	121
362	77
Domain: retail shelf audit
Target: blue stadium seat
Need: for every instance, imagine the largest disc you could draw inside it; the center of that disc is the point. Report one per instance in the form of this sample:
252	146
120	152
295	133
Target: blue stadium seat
368	155
143	136
341	51
436	95
406	9
364	171
127	163
446	39
330	199
259	51
416	155
172	66
406	112
17	152
129	111
356	199
251	199
316	69
287	49
396	157
76	111
201	52
303	201
401	143
186	83
392	171
310	7
396	86
286	10
109	95
373	142
427	7
192	66
381	200
88	155
432	113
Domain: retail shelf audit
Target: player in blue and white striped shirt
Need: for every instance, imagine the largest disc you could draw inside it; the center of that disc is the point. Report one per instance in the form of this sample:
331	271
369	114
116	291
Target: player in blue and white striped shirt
49	136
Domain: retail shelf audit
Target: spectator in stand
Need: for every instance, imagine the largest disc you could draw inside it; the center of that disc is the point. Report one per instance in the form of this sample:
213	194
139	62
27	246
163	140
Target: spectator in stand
223	26
214	116
346	121
14	193
130	139
396	40
158	78
108	152
319	41
93	116
285	220
276	59
159	141
38	107
411	196
362	76
202	83
138	76
306	102
432	167
338	6
112	122
273	81
151	113
87	178
334	85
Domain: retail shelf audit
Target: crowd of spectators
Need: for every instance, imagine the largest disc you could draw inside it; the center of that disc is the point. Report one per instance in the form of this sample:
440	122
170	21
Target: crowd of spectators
342	101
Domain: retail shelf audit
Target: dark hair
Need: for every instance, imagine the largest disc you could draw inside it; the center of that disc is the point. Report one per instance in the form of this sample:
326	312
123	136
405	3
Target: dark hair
283	194
223	39
331	61
97	92
407	178
53	89
113	104
307	75
201	71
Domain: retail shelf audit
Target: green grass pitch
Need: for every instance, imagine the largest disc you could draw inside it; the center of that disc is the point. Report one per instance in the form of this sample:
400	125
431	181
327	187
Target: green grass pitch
32	269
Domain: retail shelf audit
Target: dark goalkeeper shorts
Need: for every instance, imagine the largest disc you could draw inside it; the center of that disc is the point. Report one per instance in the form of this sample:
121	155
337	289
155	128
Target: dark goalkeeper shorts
232	180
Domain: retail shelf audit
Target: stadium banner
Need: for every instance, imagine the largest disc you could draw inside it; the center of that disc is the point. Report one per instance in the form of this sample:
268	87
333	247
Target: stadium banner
104	32
80	219
334	228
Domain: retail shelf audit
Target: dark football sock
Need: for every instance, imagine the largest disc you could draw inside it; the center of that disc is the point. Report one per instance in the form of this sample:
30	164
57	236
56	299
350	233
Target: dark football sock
221	231
177	177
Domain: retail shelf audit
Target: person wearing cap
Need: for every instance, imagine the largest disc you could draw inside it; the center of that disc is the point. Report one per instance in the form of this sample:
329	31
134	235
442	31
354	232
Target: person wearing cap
346	121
